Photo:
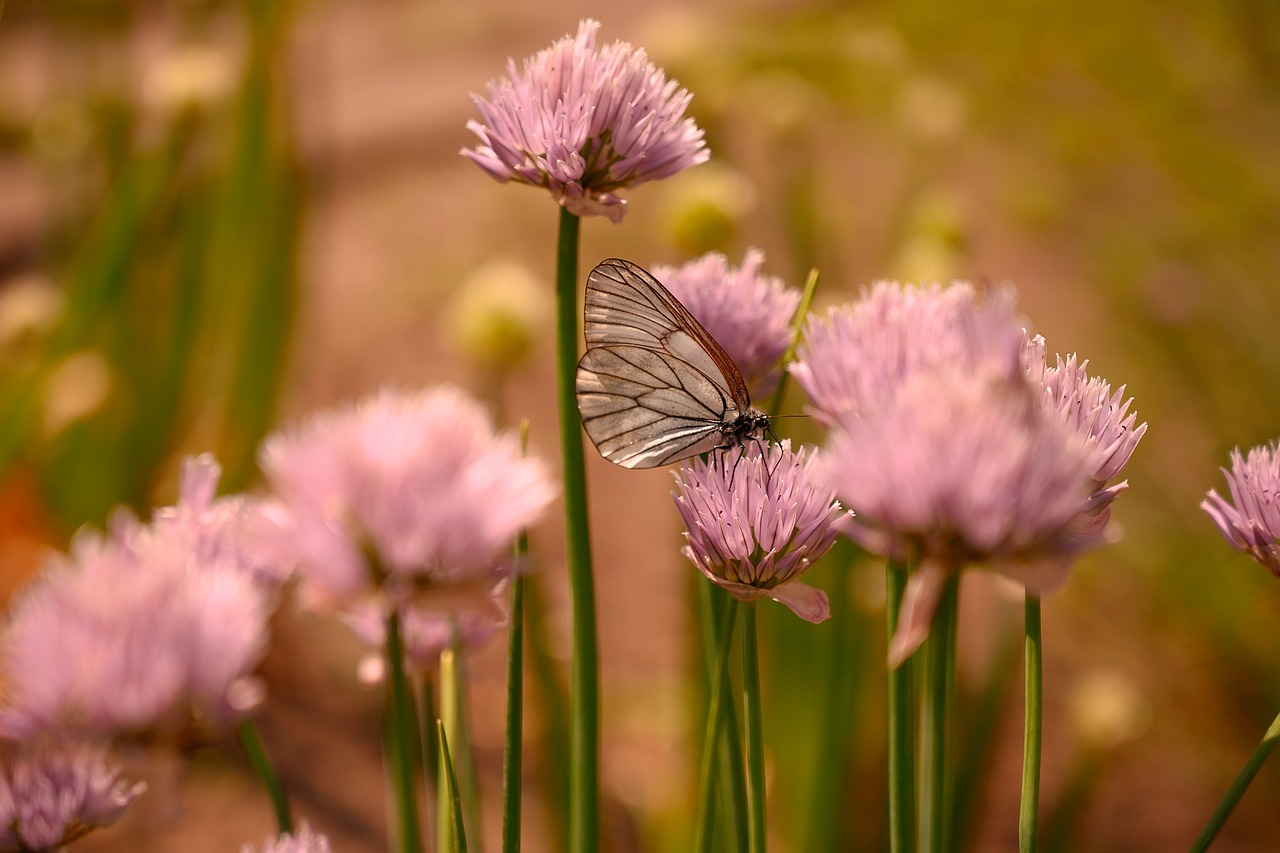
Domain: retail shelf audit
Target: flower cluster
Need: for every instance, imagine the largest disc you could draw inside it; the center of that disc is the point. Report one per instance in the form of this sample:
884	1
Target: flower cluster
953	441
136	634
53	793
553	125
305	840
402	497
746	311
755	519
1250	521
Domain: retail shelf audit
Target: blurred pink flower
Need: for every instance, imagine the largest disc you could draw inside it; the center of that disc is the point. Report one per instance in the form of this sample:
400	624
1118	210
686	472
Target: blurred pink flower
747	312
584	122
1250	521
426	633
756	520
52	793
402	493
855	358
134	636
305	840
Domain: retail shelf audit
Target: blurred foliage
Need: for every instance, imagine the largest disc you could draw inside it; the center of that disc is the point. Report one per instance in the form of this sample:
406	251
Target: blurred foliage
173	242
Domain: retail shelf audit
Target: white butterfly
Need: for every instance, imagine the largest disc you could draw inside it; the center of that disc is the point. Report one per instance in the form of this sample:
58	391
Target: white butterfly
653	386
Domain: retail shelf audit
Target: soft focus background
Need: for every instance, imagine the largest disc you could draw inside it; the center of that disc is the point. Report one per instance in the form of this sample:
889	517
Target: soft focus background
217	216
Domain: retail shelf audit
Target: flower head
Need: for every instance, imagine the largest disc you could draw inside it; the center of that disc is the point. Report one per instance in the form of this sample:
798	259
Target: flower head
746	311
305	840
52	793
1250	521
857	356
426	633
399	494
584	122
756	520
134	635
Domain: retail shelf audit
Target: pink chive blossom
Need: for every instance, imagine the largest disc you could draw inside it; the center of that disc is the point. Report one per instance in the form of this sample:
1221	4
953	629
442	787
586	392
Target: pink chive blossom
399	494
1250	520
747	312
584	122
950	442
215	528
426	633
134	636
756	520
52	793
305	840
856	356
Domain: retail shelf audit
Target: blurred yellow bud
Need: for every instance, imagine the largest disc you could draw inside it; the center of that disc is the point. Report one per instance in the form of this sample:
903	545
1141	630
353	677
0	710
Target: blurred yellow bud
76	388
29	306
703	210
1108	708
190	77
498	314
932	108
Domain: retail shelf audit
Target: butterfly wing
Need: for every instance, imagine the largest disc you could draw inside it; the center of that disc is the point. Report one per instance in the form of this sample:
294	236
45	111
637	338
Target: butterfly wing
653	387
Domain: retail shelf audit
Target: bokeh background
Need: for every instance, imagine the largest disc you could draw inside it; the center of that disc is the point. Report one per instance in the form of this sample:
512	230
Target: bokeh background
217	216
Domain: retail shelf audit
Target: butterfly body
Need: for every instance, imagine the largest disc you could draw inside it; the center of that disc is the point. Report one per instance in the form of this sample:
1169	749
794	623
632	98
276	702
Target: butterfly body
653	386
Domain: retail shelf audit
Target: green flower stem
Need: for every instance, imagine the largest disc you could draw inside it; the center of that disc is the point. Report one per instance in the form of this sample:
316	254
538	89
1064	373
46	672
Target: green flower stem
401	736
754	729
451	803
1028	819
715	606
447	785
940	656
247	734
797	322
902	795
511	750
584	773
718	687
1237	789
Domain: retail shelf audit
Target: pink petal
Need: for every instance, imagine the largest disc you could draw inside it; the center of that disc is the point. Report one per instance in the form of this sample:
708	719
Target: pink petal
919	603
807	602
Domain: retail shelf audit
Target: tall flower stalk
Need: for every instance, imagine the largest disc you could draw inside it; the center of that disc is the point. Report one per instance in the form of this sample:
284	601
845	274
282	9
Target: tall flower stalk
583	123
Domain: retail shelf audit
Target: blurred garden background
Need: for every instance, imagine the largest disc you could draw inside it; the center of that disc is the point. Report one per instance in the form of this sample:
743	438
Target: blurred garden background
217	216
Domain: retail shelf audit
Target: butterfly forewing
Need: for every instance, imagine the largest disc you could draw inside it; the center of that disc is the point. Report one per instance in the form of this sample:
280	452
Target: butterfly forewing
653	387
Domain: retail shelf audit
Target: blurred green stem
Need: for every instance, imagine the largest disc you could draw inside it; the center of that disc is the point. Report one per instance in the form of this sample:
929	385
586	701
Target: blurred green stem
451	803
401	733
797	323
247	734
901	755
939	681
717	688
512	756
754	729
1029	816
584	781
1237	789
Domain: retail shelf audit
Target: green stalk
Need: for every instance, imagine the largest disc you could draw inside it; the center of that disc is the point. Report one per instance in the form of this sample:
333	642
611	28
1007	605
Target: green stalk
935	719
451	802
1237	789
447	724
511	750
711	739
754	730
1029	815
401	737
715	607
584	772
797	322
901	755
247	734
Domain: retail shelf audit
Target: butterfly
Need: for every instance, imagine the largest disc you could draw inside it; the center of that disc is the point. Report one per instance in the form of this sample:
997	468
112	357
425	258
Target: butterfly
653	386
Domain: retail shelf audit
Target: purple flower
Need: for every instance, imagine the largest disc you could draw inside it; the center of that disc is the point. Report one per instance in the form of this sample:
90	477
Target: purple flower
857	356
53	793
426	633
584	122
135	636
755	521
747	312
213	528
1250	521
305	840
400	494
